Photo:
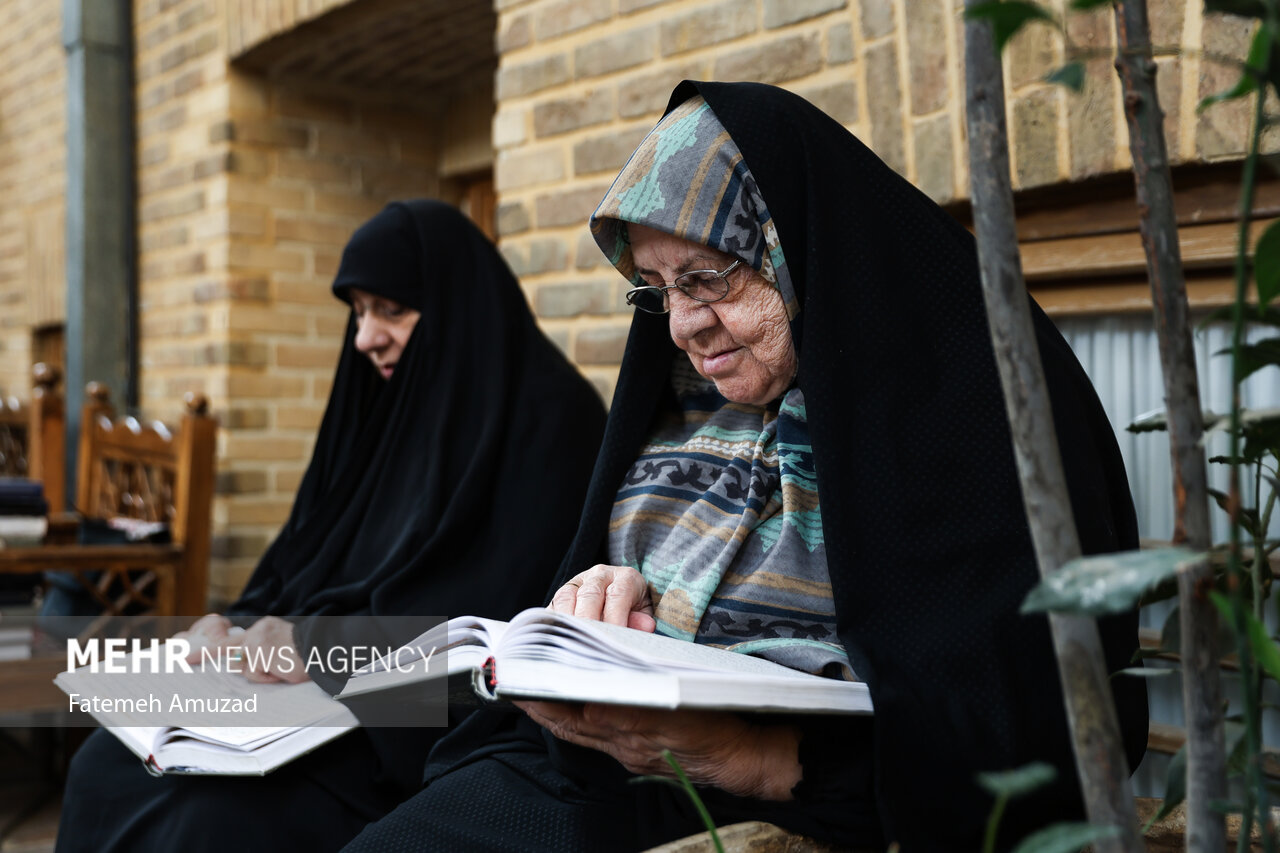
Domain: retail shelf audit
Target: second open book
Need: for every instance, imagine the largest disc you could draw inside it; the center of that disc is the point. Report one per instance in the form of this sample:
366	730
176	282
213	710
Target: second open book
540	654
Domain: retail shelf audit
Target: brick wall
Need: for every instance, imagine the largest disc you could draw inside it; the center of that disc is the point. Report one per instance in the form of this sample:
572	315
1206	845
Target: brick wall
32	182
249	188
580	81
185	232
310	168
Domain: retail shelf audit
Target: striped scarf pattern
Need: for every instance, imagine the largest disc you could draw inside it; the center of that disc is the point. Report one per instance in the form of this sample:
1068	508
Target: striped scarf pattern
720	514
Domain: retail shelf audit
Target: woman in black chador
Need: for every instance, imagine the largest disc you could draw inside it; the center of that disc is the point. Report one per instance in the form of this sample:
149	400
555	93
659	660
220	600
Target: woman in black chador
807	459
447	478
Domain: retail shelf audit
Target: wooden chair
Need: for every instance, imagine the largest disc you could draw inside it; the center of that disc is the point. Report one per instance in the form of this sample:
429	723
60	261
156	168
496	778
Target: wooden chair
33	436
144	472
13	438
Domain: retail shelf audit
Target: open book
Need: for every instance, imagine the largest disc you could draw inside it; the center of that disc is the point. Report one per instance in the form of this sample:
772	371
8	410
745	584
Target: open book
130	705
545	655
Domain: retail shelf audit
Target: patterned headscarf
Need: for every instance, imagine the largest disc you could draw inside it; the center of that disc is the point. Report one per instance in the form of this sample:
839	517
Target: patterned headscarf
688	178
720	510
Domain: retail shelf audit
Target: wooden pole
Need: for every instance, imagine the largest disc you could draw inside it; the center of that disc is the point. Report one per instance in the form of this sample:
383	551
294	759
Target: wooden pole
1104	772
1201	688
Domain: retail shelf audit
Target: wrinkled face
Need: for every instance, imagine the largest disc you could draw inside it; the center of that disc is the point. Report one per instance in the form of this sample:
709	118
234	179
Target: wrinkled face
383	328
741	343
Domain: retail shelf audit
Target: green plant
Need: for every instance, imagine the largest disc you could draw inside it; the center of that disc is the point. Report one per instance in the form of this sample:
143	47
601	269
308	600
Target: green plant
683	783
1058	838
1253	441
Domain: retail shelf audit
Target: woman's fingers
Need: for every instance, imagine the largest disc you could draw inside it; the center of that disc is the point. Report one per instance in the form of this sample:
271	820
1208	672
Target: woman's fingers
713	748
230	646
636	737
614	594
641	621
206	631
627	592
592	590
265	652
566	597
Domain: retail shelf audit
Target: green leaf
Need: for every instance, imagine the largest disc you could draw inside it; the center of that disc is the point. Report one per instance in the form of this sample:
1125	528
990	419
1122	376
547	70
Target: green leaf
1266	264
1085	5
1145	672
1264	648
1157	420
1267	315
1261	435
1229	460
1065	838
1071	75
1237	745
1175	787
1223	604
1255	65
1244	86
692	793
1247	518
636	780
1106	583
681	782
1007	17
1019	781
1255	356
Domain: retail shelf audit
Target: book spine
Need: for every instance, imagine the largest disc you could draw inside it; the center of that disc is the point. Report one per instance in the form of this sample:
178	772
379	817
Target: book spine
484	681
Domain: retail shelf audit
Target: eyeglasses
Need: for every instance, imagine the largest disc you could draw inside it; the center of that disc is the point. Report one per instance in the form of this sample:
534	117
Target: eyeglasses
700	285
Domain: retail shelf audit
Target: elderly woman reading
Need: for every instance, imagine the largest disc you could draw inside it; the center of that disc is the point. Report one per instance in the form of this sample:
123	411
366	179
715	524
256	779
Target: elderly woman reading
807	459
450	466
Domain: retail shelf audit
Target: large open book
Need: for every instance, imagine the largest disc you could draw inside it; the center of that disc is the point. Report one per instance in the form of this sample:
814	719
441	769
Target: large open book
545	655
129	706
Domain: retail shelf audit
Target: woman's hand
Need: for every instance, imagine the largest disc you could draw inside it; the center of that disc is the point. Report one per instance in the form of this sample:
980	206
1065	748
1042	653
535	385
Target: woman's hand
618	595
265	652
713	748
206	632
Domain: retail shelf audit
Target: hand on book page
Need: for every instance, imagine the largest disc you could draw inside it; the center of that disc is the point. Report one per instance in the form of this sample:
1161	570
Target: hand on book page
205	632
618	595
713	748
267	652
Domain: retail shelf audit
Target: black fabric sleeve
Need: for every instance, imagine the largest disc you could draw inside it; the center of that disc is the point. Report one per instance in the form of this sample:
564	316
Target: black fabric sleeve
836	759
835	798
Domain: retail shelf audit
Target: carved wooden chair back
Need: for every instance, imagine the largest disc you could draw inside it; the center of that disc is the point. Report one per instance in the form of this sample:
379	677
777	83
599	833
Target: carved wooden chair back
33	436
147	472
13	438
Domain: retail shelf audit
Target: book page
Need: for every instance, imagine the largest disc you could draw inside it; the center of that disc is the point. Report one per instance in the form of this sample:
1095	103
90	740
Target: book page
235	737
458	632
191	757
544	635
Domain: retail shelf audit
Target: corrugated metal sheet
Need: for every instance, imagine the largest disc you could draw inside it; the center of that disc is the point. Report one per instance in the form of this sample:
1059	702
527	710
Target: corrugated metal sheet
1122	358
